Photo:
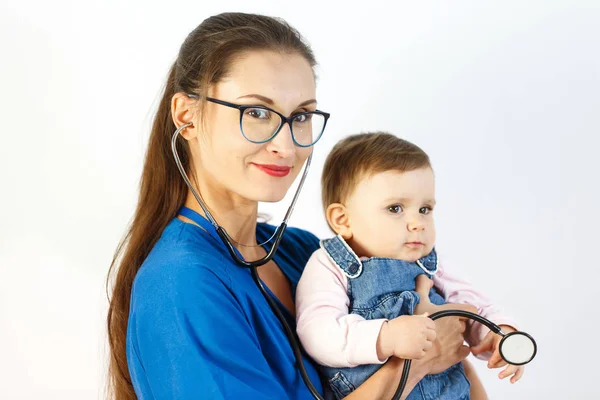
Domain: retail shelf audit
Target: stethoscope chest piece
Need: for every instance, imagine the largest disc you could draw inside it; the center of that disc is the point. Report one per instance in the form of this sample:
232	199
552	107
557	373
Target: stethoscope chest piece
517	348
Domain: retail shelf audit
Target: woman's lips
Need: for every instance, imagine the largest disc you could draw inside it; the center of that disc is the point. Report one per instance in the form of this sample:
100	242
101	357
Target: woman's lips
274	170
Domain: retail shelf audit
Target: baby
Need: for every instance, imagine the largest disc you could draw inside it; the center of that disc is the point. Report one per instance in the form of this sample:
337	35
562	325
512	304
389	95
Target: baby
357	303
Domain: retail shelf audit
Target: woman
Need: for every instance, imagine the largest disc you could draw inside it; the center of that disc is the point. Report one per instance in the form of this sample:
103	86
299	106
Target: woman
185	321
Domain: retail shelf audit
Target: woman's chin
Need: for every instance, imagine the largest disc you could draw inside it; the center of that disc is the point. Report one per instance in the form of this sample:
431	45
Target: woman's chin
271	197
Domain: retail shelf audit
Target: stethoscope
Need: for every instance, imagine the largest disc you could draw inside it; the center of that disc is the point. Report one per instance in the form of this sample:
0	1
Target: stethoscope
516	348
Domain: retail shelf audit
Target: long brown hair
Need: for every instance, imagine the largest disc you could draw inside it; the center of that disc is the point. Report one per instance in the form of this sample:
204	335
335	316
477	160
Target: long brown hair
203	60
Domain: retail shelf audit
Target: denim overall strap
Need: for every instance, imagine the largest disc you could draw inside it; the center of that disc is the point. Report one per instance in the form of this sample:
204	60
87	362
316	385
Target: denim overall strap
342	255
429	263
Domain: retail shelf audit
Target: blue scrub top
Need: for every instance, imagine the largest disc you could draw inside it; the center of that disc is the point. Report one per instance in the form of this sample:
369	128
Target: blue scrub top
199	328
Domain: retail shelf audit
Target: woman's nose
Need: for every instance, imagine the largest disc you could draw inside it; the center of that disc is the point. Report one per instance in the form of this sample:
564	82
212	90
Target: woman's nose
282	144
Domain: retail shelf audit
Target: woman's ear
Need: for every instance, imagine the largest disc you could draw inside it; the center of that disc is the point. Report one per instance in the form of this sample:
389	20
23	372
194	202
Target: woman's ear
339	220
183	110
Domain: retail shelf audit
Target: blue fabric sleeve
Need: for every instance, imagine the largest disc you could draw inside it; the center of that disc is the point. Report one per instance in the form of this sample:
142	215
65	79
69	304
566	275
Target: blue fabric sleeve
193	339
306	239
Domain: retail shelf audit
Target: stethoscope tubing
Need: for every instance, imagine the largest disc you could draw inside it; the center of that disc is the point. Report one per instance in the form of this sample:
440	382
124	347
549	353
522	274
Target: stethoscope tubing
253	265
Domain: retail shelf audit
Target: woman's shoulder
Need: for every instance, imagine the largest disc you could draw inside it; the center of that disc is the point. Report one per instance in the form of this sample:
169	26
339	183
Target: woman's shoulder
295	249
298	236
181	263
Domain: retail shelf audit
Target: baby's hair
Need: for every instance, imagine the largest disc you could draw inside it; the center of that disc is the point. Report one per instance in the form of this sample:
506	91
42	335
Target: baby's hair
363	154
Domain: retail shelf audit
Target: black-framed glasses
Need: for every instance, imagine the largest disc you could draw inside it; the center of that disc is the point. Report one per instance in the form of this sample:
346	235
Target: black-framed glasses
260	124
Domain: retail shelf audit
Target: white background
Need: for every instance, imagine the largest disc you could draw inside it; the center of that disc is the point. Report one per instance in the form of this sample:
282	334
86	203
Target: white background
503	95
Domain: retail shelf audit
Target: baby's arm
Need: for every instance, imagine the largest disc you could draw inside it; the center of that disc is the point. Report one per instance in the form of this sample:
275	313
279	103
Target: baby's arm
457	290
491	343
335	338
328	333
484	343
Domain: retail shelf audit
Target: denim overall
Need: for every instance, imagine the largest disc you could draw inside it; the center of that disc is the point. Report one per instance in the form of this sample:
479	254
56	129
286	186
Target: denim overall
384	288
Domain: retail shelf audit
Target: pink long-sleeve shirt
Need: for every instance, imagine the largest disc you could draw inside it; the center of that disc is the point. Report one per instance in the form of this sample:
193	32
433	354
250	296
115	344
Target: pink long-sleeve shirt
335	338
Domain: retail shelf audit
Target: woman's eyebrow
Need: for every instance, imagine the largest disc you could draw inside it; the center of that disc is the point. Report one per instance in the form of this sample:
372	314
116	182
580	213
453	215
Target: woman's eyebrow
259	97
271	102
307	102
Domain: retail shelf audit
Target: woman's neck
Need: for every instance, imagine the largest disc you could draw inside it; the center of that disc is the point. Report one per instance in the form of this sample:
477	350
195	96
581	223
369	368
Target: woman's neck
236	216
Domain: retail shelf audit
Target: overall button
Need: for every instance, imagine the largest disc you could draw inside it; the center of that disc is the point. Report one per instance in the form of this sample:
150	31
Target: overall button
352	268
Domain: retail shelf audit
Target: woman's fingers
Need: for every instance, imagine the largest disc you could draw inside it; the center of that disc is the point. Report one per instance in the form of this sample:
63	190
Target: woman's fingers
463	352
465	307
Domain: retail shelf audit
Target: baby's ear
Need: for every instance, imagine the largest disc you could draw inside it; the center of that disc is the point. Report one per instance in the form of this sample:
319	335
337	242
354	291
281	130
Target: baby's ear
339	220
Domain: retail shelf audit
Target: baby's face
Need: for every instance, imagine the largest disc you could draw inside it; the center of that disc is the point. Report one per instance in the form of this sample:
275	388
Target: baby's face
390	215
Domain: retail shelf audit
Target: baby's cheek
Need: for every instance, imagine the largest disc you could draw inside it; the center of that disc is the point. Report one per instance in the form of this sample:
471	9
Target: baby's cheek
428	248
431	235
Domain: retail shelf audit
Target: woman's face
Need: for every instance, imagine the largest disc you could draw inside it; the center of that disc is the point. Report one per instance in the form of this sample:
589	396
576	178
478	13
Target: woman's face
224	159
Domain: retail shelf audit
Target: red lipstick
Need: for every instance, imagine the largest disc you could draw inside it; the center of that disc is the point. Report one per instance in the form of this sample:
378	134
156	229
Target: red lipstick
274	170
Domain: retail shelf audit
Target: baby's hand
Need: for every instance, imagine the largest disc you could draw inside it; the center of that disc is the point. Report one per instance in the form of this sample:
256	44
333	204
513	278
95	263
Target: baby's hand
408	337
516	371
491	342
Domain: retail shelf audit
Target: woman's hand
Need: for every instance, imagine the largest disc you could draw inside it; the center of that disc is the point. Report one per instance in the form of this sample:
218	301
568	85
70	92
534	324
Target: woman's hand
448	348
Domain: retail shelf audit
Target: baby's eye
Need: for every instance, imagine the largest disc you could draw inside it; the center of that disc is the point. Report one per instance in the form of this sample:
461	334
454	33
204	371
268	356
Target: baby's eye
425	210
395	209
